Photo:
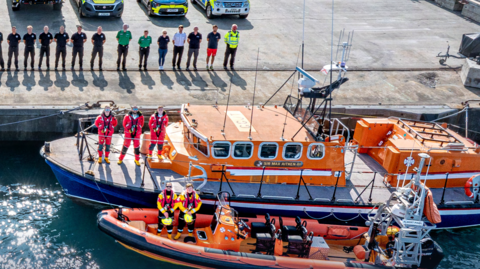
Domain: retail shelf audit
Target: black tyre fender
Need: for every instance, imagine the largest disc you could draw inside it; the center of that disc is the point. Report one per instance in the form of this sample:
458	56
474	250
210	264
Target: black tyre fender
149	10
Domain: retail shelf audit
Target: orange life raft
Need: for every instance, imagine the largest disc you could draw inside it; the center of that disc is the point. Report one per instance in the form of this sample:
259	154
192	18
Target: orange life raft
219	243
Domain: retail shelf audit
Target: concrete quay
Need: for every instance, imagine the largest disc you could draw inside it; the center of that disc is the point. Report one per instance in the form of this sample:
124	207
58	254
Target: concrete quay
392	64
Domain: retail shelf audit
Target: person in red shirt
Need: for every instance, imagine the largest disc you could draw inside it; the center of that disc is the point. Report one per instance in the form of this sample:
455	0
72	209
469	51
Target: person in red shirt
105	123
158	123
132	125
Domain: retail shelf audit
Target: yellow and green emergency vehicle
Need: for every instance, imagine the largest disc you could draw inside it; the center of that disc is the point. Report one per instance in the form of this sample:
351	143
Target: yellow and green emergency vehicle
16	4
224	7
165	7
100	8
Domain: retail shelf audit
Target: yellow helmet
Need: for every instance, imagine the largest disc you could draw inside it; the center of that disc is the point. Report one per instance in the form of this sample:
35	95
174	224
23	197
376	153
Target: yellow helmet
188	218
167	221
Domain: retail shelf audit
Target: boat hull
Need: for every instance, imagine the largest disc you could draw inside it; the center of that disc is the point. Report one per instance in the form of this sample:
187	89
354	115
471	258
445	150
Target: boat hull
78	186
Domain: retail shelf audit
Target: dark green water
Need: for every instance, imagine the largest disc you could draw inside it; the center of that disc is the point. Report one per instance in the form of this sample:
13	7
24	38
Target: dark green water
42	228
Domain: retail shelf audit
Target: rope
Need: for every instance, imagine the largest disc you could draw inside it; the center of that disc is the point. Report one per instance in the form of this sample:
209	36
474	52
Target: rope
332	214
42	117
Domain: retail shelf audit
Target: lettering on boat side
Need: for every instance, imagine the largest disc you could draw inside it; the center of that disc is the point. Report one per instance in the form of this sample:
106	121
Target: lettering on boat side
240	121
278	164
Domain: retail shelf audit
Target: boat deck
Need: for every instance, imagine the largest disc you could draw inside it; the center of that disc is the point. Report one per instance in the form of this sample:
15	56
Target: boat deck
65	153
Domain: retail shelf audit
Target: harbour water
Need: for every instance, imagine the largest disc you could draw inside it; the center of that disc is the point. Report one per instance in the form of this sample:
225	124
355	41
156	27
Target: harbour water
42	228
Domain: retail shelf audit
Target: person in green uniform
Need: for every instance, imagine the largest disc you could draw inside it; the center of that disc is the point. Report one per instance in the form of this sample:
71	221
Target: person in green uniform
123	37
144	41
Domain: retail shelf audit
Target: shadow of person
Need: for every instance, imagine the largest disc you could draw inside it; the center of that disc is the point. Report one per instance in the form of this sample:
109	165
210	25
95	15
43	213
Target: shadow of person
12	81
45	80
182	79
124	82
166	81
197	80
29	80
99	81
147	80
1	74
79	80
61	80
217	81
237	80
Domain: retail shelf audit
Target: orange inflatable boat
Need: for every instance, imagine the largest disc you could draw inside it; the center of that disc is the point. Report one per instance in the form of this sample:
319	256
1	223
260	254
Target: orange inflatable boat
223	240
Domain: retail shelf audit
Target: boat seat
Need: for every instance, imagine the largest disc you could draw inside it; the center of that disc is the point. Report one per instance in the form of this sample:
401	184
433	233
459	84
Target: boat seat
289	229
266	241
299	245
261	227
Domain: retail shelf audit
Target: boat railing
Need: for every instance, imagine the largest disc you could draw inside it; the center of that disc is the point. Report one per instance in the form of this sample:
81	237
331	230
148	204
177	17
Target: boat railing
422	135
146	167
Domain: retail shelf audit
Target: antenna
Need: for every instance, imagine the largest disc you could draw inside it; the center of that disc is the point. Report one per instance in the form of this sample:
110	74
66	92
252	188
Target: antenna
303	32
253	100
226	111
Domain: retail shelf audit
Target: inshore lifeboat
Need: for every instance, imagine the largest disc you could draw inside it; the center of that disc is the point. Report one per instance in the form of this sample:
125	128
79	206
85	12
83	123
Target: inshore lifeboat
223	240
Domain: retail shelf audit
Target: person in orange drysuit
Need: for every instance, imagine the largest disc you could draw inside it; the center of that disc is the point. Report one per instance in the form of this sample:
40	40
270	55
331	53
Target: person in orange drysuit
158	124
105	123
132	124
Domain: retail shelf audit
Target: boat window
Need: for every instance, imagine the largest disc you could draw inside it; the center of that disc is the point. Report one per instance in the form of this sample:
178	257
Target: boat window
316	151
221	150
242	150
268	150
200	144
292	151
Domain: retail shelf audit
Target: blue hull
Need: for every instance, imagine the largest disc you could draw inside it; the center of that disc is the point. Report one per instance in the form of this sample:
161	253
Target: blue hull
78	186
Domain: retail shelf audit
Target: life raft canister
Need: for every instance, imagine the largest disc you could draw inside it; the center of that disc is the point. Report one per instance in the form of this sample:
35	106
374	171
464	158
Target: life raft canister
474	182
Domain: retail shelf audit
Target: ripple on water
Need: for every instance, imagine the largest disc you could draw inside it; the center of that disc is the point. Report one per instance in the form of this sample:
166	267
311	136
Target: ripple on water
26	241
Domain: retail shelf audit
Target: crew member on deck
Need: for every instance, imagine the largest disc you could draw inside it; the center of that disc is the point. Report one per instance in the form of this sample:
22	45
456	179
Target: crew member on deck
132	124
167	205
105	123
158	123
189	203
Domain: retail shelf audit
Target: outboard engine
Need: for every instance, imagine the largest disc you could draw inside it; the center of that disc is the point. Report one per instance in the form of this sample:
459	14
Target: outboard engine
432	254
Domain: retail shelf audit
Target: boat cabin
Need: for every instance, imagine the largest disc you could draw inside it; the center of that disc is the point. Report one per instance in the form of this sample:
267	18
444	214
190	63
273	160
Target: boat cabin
270	146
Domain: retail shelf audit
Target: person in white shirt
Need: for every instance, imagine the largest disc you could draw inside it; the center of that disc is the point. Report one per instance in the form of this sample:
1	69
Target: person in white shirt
178	44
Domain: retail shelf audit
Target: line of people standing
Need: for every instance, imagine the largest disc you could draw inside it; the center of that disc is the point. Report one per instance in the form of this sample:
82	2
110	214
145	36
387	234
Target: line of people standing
79	38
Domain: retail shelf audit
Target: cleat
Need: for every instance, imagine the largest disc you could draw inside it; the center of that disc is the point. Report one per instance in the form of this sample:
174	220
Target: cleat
169	236
137	163
107	160
100	160
119	162
178	236
190	234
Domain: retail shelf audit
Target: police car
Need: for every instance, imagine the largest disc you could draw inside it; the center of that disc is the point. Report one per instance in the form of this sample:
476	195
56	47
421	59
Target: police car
165	7
100	8
16	4
224	7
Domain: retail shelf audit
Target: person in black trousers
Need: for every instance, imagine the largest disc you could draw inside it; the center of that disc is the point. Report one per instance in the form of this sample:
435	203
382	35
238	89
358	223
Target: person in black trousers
178	45
61	38
29	40
13	40
144	43
98	39
46	39
78	39
2	64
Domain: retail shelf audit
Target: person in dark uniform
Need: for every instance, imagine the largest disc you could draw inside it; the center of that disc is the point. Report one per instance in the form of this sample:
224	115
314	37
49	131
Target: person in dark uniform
123	37
144	43
46	39
2	64
61	38
29	40
13	40
98	39
78	39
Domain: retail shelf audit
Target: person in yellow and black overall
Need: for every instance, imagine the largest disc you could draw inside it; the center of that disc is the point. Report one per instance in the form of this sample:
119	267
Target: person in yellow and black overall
189	203
167	205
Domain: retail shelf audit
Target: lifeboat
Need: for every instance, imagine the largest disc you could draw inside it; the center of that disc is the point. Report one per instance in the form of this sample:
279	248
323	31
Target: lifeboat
224	240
